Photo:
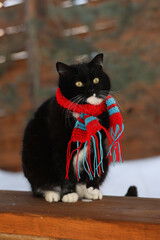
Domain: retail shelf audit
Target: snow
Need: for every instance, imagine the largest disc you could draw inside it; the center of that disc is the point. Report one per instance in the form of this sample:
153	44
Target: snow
143	173
13	181
9	3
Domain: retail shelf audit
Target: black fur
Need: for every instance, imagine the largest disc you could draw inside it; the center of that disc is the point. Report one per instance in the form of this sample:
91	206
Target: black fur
49	131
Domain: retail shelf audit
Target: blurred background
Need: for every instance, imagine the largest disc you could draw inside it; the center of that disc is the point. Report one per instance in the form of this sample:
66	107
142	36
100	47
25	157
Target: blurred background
35	34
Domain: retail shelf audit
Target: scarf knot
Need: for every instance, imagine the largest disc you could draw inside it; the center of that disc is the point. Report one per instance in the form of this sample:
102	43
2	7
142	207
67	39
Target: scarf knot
87	134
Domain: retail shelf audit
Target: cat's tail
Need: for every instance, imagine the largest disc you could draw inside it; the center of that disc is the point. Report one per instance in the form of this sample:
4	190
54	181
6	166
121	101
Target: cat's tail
132	192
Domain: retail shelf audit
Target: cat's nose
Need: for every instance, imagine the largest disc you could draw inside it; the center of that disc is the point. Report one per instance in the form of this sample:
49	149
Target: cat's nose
91	91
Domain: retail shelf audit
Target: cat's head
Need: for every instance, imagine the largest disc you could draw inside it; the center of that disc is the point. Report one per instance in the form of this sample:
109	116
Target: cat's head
85	82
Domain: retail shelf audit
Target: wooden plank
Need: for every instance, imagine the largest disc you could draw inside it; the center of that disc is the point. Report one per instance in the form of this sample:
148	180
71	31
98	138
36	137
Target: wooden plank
111	218
25	237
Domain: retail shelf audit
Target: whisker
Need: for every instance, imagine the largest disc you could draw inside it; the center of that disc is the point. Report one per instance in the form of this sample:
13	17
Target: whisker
118	103
104	93
73	100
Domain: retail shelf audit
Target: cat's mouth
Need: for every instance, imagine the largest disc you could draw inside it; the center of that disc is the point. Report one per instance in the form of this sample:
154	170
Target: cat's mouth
94	100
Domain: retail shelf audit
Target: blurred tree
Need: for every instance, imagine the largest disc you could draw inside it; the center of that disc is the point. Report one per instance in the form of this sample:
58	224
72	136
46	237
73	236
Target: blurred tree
66	31
46	31
33	50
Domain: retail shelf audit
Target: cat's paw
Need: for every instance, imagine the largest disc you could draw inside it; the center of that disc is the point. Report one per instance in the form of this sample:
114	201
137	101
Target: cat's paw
51	196
95	193
70	197
88	193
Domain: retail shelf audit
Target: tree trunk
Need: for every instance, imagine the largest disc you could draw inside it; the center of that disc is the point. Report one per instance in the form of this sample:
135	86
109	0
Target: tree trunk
33	51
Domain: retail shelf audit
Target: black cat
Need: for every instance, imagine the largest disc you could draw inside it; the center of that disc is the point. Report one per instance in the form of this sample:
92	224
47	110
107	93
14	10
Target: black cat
49	131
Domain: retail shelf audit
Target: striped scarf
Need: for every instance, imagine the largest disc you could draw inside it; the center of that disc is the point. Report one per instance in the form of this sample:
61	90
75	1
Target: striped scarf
87	133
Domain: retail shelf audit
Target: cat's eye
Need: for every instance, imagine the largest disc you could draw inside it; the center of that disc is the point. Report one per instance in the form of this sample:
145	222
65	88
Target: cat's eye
79	84
96	80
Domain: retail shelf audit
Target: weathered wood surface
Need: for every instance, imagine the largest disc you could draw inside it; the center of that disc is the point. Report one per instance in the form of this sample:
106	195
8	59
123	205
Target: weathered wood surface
25	237
117	218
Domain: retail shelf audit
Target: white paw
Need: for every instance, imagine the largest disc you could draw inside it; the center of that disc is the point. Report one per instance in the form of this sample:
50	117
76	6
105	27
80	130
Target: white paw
84	193
88	193
95	193
52	196
70	197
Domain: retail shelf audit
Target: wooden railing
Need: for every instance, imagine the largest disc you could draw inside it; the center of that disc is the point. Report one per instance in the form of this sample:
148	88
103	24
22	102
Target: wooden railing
25	217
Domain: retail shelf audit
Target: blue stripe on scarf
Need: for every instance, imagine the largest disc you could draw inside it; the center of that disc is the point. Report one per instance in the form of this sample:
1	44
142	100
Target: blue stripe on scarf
80	125
113	111
89	119
110	101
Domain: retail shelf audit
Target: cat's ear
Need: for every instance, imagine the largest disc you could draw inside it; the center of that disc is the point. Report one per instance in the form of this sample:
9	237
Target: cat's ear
98	60
63	69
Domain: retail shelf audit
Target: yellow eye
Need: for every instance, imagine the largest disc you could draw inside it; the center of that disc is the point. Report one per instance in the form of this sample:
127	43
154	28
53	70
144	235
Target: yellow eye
79	84
96	80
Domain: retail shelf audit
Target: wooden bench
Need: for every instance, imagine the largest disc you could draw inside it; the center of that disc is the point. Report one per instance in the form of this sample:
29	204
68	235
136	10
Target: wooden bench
25	217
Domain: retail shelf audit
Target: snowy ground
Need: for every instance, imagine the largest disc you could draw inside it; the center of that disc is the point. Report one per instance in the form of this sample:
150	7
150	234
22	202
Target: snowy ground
144	173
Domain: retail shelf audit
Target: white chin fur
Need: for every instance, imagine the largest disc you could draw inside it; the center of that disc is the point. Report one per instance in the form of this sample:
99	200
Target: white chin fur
94	100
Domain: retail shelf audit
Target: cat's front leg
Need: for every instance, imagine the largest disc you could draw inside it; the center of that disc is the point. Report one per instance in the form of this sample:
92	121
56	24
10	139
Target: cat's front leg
51	196
69	193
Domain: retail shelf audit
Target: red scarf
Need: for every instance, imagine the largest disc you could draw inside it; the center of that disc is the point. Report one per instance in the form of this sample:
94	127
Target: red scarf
88	129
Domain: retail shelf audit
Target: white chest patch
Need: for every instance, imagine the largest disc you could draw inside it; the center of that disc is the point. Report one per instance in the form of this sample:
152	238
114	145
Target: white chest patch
76	115
80	158
94	100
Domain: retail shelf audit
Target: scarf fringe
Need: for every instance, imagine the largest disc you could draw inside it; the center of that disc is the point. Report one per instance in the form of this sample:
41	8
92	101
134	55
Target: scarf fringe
115	150
95	144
